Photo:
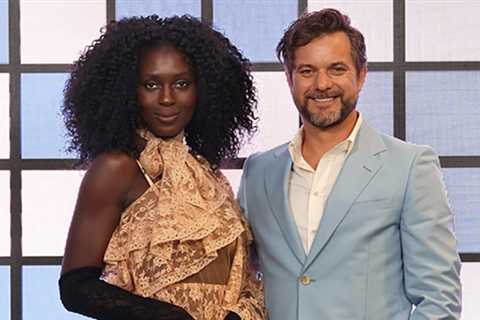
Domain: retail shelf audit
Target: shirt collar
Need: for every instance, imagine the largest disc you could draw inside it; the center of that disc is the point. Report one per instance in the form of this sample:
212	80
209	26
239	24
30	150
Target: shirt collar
295	146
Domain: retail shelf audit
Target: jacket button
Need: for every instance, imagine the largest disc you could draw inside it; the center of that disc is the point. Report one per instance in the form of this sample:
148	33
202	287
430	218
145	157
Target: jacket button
305	280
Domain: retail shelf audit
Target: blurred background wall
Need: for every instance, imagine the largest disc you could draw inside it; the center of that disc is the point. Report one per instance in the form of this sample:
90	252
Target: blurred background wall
423	86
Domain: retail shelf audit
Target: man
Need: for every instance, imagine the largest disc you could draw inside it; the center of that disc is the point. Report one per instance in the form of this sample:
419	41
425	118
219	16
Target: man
349	223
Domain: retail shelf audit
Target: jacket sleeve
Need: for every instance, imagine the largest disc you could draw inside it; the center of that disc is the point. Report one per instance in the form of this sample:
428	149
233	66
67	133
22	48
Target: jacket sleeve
82	291
431	261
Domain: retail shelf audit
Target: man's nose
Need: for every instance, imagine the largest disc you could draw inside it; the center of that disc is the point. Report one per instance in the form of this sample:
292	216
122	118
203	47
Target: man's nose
323	81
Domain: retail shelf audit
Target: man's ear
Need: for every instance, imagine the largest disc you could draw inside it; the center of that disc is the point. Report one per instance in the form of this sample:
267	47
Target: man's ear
362	75
288	75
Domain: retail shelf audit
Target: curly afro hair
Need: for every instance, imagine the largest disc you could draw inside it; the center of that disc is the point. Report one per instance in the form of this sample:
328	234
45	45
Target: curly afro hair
100	107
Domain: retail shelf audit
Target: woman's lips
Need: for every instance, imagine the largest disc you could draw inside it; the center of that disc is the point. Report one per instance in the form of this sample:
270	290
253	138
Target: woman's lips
166	117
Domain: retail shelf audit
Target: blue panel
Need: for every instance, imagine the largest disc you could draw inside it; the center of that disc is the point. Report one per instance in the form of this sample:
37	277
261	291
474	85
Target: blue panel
3	31
443	110
463	185
40	294
43	131
4	292
164	8
255	27
376	101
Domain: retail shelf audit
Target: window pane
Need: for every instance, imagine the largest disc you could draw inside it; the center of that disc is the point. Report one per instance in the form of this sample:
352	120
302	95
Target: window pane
373	18
58	31
4	292
48	202
278	117
255	27
442	30
233	177
470	277
463	185
4	214
43	131
443	110
164	8
4	116
376	101
4	31
40	294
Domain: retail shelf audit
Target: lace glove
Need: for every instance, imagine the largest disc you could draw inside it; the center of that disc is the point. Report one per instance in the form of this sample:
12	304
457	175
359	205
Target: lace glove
82	291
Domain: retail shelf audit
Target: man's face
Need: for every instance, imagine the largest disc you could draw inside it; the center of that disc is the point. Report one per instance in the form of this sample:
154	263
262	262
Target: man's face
324	82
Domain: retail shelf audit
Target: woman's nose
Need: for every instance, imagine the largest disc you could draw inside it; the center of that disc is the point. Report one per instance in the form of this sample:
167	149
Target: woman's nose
167	96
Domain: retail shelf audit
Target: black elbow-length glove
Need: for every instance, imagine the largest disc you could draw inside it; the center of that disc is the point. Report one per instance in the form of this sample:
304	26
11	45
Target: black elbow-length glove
82	291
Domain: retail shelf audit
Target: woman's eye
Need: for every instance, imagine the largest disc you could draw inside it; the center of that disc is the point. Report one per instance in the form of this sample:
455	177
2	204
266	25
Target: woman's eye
181	84
150	85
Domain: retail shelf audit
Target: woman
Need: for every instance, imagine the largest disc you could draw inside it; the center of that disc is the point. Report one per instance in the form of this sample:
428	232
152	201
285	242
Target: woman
152	107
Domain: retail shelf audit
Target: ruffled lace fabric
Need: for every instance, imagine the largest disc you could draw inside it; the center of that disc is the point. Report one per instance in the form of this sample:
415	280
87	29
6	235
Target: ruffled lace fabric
175	230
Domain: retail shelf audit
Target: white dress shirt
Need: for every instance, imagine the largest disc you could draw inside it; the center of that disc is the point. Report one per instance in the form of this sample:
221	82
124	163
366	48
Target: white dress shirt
308	189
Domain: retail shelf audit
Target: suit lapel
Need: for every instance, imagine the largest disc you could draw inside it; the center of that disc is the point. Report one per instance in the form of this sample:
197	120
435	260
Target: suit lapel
276	185
358	170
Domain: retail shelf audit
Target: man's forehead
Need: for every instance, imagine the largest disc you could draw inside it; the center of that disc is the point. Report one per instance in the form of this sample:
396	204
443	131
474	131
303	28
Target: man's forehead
330	48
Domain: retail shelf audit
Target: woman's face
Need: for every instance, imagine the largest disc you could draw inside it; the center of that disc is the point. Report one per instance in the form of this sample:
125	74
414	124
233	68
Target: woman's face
167	91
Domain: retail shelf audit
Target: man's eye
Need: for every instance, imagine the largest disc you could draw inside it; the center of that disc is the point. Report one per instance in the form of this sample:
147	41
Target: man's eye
306	72
338	70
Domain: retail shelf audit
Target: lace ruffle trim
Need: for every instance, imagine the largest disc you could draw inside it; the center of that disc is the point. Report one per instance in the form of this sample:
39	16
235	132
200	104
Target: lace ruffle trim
177	226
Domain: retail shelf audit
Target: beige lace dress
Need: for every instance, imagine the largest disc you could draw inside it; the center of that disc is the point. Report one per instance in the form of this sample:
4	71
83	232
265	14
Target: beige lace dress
184	240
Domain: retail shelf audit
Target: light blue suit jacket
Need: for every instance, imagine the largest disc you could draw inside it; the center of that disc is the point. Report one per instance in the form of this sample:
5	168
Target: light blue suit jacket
384	244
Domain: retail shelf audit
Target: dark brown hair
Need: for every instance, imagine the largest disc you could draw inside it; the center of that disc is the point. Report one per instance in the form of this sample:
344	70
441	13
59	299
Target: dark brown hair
100	108
315	24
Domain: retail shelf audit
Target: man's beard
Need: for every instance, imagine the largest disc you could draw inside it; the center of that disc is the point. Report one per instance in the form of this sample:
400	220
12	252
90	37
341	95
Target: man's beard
329	117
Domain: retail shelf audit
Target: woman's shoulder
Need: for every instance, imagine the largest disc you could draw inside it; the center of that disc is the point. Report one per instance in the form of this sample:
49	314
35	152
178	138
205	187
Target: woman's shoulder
114	161
114	169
